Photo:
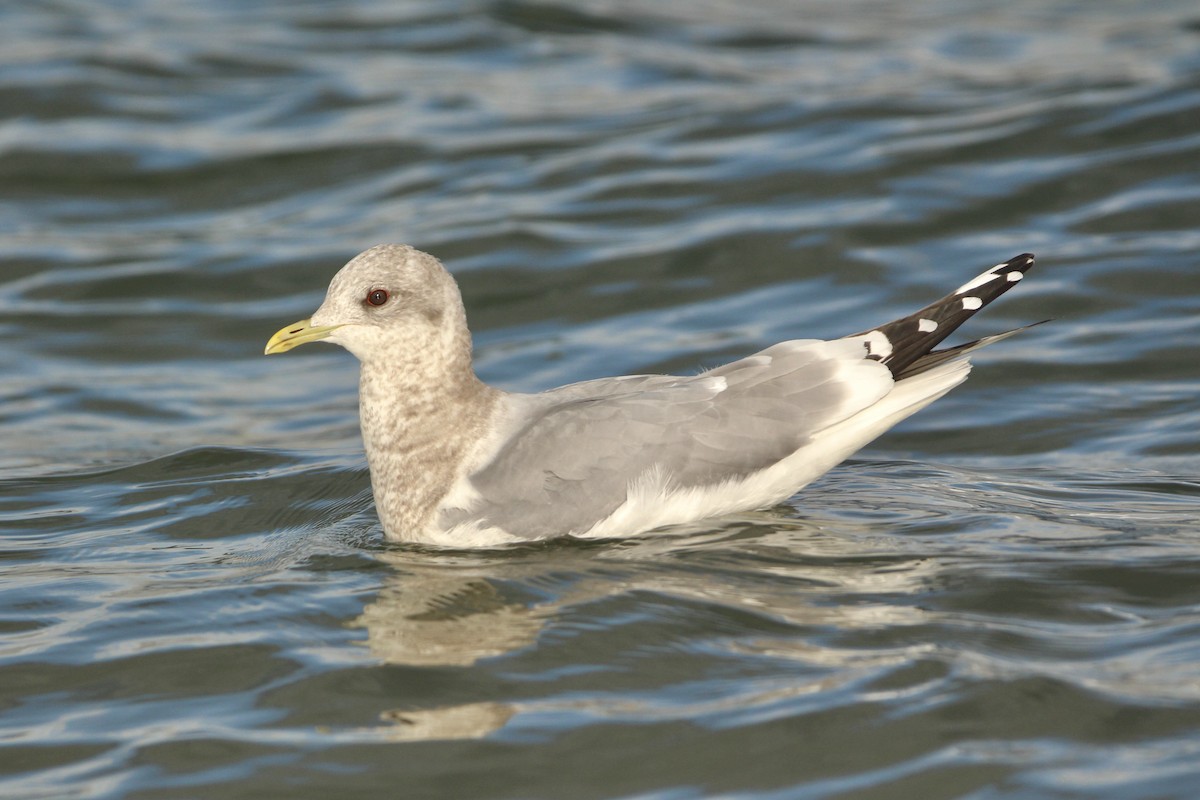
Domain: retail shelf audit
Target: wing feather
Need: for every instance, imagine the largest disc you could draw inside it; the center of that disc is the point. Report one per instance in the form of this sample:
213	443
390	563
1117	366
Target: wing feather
571	461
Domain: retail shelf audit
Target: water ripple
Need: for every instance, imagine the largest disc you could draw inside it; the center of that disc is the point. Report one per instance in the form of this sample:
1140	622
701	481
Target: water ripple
998	598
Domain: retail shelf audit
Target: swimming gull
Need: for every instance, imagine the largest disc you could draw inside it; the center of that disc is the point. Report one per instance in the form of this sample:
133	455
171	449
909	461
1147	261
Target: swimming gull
460	463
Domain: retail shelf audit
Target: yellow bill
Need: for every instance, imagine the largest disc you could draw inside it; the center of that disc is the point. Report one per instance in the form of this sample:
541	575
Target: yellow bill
296	334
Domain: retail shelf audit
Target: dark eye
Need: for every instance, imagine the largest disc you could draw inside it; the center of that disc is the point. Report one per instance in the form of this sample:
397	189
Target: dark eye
377	297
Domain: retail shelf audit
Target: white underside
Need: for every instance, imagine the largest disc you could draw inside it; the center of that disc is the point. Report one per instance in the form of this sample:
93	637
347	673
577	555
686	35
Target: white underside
652	502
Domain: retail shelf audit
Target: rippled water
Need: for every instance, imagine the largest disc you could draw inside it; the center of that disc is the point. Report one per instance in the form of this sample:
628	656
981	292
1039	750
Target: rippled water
1000	598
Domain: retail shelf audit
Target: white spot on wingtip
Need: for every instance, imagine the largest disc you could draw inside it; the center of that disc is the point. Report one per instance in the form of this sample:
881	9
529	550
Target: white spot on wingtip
1014	276
926	325
972	303
878	345
980	280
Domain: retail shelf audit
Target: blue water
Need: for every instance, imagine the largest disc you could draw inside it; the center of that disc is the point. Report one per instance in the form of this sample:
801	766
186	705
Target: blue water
1000	598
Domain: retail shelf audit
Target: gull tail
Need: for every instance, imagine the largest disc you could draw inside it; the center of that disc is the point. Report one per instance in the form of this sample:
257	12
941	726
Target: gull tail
906	345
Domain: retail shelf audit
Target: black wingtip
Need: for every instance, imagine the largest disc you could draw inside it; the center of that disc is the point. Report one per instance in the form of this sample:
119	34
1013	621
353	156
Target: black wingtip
1022	263
935	357
900	343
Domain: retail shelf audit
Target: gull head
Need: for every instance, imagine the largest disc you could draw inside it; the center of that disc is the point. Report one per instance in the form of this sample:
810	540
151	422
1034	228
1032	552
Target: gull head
389	300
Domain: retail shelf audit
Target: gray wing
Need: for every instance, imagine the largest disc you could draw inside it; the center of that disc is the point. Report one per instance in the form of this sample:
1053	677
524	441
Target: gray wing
572	459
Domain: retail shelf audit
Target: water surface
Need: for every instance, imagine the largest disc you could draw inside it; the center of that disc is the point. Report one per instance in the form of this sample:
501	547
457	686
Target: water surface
1000	598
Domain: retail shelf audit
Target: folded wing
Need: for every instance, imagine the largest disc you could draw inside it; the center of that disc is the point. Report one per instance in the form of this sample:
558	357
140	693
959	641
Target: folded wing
574	453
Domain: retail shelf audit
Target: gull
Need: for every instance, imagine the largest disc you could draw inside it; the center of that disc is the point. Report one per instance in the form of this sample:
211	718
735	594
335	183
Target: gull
458	463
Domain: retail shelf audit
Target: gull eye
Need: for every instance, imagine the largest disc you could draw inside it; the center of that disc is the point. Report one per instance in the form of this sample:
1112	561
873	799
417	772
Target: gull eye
377	297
